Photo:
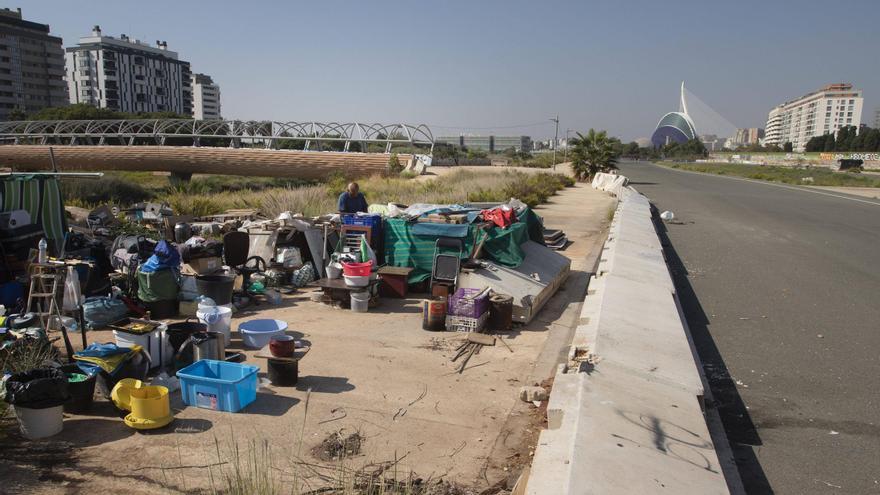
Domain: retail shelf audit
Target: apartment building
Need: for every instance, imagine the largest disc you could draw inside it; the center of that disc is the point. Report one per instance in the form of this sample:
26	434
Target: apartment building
31	66
821	112
206	98
128	75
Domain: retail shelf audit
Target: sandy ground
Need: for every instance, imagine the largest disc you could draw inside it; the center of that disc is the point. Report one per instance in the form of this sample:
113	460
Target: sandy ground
866	192
377	373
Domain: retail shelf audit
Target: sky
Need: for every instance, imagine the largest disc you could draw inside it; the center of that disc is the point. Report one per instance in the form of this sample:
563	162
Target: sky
502	67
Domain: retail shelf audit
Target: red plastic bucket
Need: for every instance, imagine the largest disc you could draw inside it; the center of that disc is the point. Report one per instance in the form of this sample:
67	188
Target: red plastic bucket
357	269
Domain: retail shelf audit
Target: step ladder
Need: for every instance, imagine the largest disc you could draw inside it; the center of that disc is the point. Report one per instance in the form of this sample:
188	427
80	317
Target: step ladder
43	298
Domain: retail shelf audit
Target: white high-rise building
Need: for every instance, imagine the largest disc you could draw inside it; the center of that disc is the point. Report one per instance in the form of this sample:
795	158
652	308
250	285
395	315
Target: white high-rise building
814	114
128	75
206	98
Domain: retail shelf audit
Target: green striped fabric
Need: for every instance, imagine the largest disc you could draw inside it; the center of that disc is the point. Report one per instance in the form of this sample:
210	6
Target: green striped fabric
403	248
41	197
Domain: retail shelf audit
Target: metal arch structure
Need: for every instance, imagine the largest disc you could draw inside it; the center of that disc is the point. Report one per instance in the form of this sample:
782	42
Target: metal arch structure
267	134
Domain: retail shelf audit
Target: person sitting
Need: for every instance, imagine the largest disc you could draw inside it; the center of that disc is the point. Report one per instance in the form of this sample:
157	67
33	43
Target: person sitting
352	200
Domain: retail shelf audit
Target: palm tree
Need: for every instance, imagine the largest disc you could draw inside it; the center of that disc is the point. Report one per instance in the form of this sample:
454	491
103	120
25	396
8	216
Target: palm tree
592	154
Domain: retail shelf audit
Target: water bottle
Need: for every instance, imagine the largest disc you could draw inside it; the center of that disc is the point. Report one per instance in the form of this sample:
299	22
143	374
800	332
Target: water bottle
42	258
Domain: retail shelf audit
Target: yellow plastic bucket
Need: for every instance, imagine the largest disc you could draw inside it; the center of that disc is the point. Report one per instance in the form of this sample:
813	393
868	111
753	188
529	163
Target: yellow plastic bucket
150	407
121	393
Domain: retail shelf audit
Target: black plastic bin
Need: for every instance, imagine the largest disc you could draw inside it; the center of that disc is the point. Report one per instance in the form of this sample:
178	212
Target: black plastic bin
217	287
82	394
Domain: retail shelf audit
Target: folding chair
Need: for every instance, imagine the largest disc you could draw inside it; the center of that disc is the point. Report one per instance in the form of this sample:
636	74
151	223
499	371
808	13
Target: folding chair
446	266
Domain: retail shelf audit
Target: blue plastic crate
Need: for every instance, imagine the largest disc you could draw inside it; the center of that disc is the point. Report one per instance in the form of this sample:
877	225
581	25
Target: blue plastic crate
218	385
371	220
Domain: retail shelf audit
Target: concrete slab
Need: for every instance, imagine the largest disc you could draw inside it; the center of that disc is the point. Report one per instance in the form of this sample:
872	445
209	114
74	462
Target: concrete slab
639	330
628	435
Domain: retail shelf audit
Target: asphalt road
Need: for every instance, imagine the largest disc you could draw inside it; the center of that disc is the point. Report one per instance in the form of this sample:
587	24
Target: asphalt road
781	288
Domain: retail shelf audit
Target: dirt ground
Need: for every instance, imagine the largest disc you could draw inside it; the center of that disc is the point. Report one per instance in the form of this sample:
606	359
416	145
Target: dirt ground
377	374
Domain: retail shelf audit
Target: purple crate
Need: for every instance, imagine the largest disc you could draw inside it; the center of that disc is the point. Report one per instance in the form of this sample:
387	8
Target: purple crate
458	305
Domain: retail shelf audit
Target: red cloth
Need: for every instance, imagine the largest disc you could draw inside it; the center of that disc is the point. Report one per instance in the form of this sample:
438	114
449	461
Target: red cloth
499	216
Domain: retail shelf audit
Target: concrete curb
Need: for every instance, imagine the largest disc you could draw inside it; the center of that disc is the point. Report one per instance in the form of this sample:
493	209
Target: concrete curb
627	413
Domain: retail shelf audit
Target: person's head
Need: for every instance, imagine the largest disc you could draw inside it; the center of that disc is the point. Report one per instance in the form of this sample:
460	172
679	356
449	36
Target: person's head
353	188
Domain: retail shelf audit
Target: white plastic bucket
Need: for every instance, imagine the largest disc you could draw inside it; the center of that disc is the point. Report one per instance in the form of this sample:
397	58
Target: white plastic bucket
334	270
360	301
218	319
40	423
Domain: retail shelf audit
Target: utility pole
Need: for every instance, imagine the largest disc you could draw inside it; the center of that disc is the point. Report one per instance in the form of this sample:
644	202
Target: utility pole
555	140
565	151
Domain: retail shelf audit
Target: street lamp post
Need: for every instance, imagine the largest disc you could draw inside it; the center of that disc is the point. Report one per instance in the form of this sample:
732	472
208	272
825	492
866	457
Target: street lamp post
565	151
555	140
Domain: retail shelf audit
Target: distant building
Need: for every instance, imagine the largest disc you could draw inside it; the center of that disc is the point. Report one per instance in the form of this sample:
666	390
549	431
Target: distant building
128	75
206	98
675	127
821	112
489	144
749	136
712	142
31	66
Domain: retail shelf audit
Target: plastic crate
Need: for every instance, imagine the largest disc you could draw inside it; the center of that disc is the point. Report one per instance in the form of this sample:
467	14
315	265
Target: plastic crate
459	304
465	324
218	385
374	221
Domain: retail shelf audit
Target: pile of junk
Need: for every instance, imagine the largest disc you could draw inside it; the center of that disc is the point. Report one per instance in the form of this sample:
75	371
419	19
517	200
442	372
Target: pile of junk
167	287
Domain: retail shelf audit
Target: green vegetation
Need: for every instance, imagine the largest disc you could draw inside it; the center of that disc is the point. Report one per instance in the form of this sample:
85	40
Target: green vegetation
215	194
593	153
848	139
394	166
814	176
83	111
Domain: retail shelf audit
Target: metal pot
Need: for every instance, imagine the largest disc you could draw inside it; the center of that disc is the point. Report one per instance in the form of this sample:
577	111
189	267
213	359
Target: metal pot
208	345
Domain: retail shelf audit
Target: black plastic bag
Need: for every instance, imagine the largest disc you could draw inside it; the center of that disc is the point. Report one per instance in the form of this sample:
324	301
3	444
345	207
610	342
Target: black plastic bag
38	388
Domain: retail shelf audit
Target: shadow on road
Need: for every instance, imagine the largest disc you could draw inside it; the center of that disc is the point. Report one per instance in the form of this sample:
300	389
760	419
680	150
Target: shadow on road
741	432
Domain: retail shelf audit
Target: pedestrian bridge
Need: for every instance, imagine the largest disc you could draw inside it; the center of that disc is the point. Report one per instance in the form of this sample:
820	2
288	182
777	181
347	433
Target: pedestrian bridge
184	147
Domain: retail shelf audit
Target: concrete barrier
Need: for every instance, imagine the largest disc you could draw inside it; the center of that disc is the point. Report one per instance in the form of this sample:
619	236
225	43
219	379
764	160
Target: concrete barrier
626	413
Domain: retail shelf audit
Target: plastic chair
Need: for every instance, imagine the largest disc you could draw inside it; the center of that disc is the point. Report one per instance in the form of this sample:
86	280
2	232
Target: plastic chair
446	266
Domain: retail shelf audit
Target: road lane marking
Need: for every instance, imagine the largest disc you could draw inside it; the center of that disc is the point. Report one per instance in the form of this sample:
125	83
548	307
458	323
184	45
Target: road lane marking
768	183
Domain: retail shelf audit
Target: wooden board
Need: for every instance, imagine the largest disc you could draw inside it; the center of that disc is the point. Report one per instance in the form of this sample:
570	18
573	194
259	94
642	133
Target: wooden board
481	338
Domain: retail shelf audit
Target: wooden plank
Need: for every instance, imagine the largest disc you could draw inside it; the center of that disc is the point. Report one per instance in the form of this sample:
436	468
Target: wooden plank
481	338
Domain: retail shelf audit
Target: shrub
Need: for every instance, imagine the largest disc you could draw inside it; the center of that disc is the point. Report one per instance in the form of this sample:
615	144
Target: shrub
91	192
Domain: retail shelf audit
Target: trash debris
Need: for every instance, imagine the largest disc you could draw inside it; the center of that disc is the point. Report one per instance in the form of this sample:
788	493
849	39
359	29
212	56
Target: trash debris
337	446
667	216
532	394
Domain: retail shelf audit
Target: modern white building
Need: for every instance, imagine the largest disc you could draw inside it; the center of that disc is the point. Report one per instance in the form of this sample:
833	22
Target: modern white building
128	75
206	98
821	112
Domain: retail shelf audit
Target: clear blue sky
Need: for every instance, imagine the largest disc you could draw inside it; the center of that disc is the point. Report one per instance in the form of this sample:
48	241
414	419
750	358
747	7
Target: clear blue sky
614	65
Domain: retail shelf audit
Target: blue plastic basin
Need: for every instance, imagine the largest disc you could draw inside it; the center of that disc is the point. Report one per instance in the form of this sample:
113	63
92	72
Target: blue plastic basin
218	385
256	334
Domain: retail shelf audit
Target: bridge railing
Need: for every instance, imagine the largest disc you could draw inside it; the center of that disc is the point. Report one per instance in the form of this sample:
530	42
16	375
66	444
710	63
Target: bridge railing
268	134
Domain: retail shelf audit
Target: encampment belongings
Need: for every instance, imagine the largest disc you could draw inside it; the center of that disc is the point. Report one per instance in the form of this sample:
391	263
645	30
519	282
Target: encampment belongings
217	287
148	212
446	266
14	218
182	233
289	257
148	334
208	345
18	241
149	405
256	334
500	312
466	323
201	257
129	250
471	303
303	276
218	319
502	216
178	334
73	298
442	289
103	216
434	314
394	281
356	280
81	387
112	363
360	301
334	270
38	396
282	345
218	385
283	371
555	239
158	291
101	311
43	296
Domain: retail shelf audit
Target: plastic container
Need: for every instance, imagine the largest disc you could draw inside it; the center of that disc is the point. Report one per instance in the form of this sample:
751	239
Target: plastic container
82	391
40	423
357	269
256	334
360	301
434	314
218	319
334	270
150	408
461	305
218	385
357	281
155	343
217	287
282	373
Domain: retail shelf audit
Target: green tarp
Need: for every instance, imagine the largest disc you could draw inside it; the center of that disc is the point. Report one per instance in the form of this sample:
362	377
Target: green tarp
403	248
41	197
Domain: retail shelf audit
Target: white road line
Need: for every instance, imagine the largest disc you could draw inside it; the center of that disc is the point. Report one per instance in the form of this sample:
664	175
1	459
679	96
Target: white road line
768	183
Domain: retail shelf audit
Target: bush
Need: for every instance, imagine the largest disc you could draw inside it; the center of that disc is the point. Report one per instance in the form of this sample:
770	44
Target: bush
394	166
90	192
